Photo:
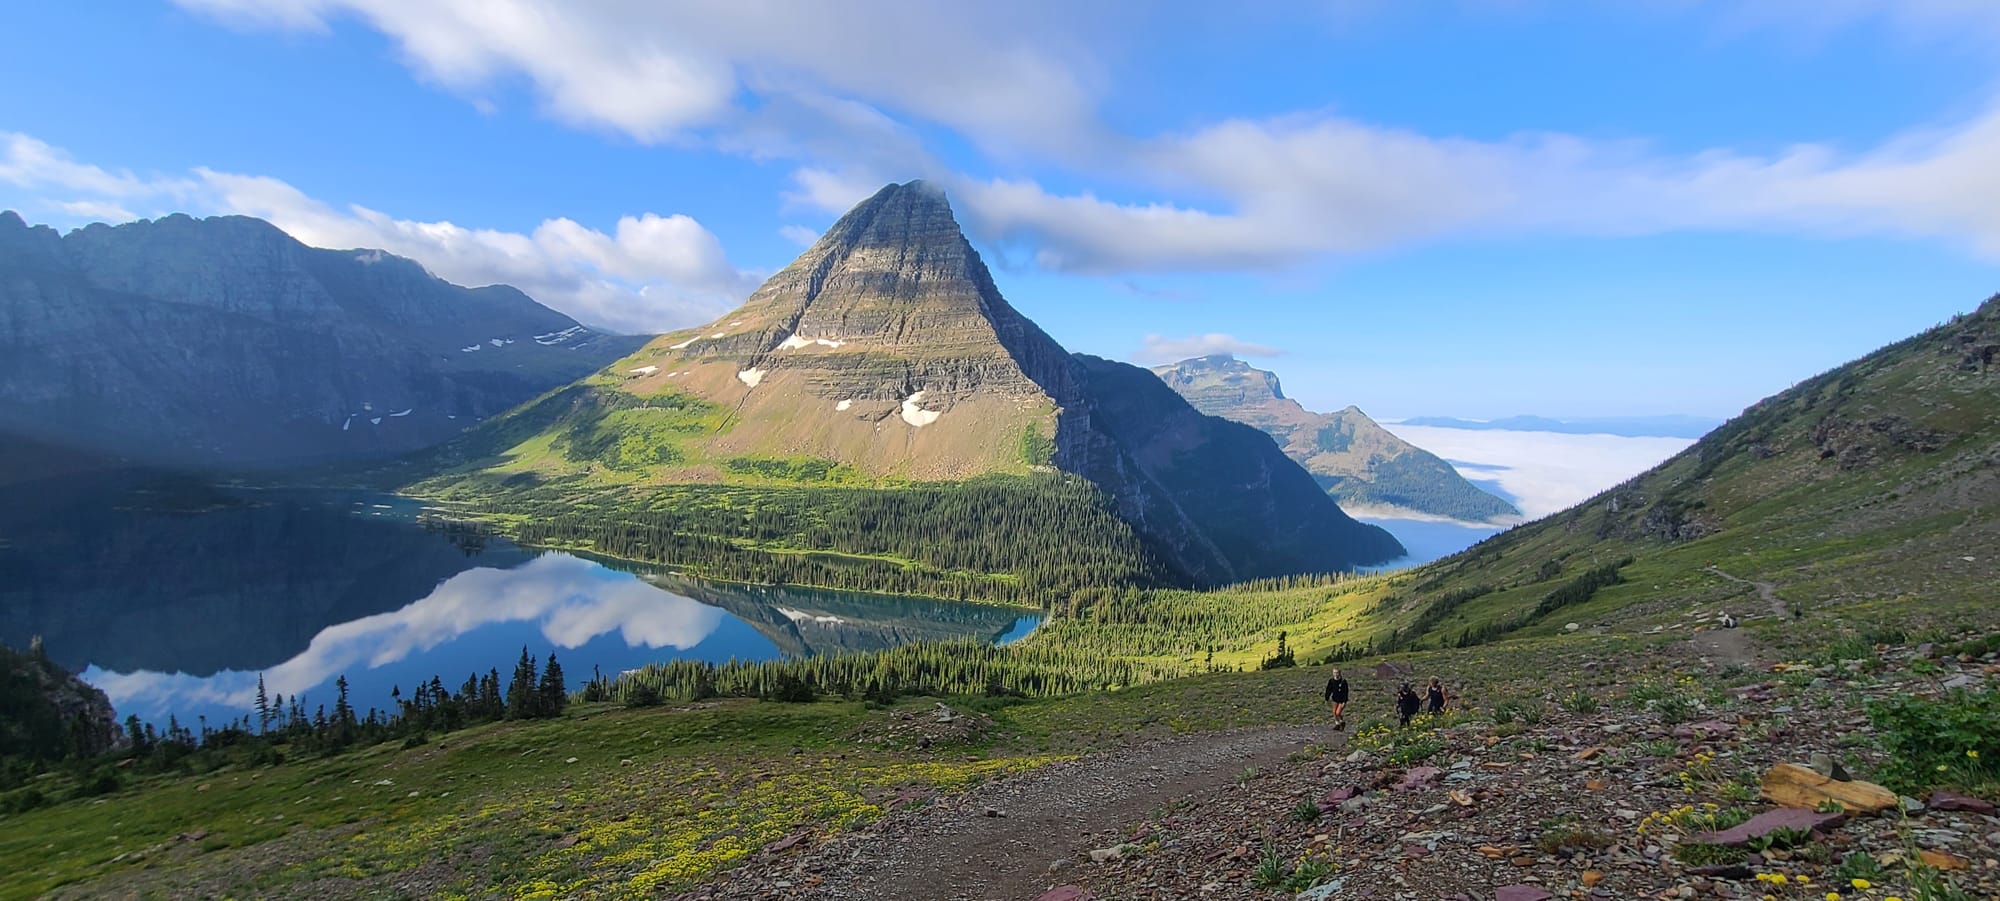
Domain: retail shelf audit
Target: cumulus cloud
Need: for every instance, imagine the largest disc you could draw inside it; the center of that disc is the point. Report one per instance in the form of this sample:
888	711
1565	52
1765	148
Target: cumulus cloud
856	94
1158	349
1306	186
657	71
650	273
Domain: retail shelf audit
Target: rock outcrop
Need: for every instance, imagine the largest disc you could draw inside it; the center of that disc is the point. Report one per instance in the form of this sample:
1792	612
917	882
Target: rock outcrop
1357	461
48	714
225	342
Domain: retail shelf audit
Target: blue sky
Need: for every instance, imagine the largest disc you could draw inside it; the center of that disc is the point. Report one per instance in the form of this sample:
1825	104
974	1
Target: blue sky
1472	208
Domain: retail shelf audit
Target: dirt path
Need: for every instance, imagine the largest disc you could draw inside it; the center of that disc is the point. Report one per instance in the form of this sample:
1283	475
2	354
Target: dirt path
1765	590
952	849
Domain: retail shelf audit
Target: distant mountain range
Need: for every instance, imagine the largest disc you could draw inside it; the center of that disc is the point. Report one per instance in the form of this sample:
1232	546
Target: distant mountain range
224	342
1674	426
1357	461
882	378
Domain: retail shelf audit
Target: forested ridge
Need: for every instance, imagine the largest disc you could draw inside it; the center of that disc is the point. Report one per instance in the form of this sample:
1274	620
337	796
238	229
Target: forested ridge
1021	540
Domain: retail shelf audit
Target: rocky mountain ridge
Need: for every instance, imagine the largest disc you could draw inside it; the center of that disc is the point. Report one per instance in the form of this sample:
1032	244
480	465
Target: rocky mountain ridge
1357	461
226	342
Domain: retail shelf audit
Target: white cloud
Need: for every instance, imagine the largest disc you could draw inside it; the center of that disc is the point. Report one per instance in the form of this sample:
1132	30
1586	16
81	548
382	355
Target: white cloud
97	211
849	91
1546	472
1306	186
650	273
657	71
799	234
1158	349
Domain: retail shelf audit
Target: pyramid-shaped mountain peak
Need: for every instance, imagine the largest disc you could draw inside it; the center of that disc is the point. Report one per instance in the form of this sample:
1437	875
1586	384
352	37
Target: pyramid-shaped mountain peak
886	354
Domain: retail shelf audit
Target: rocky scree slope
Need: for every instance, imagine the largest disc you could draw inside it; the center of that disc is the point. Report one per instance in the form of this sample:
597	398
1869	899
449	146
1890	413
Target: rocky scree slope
1358	462
225	342
885	355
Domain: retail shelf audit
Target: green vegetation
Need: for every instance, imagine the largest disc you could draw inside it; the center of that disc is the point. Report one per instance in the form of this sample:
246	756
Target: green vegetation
1953	741
1012	539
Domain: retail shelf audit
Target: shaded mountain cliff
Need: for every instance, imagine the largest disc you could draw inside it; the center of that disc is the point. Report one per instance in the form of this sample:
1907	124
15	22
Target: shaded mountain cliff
885	355
225	342
1355	460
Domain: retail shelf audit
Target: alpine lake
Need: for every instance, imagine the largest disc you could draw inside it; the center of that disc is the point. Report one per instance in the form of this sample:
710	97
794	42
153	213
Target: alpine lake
178	605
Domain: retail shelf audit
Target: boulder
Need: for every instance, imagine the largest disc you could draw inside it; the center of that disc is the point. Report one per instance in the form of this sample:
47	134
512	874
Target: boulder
1795	786
1789	818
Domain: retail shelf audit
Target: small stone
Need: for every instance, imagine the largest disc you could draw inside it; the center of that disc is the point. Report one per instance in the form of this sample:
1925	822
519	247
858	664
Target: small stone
1944	860
1106	855
991	811
1065	893
570	760
1521	893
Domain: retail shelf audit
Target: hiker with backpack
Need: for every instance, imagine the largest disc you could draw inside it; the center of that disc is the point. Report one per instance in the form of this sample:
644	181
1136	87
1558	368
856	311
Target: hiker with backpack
1435	698
1336	697
1407	703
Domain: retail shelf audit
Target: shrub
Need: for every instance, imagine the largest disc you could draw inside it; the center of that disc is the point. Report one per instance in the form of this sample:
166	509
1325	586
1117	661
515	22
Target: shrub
1305	812
642	694
1953	740
1580	701
1272	871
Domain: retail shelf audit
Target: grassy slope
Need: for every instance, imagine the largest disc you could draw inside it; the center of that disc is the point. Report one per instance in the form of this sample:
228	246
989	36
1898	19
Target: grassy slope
1868	483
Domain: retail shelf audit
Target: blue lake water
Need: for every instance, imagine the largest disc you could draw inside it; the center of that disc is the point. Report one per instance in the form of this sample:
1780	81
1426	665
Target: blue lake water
181	612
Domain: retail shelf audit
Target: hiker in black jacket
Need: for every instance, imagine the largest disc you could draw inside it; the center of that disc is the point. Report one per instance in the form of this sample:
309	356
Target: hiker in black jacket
1407	703
1336	695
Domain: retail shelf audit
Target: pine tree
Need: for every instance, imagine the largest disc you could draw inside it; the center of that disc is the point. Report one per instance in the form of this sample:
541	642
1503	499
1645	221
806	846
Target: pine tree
263	706
521	690
554	695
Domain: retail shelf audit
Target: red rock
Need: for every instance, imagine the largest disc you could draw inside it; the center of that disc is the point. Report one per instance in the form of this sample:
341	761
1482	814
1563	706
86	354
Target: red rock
1334	798
1770	821
1521	893
1946	800
1066	893
1704	731
786	842
1418	777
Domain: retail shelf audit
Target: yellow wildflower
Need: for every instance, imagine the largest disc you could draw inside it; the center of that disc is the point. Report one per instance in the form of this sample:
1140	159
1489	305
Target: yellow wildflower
1861	884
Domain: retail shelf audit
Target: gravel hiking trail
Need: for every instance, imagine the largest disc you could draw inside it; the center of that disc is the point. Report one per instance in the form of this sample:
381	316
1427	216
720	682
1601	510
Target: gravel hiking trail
1765	590
958	849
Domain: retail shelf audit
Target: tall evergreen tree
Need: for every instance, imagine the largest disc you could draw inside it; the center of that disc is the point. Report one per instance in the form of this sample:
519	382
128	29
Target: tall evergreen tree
554	695
522	698
263	706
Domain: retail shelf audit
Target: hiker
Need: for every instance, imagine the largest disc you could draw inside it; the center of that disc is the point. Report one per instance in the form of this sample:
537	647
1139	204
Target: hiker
1728	622
1434	696
1336	696
1407	703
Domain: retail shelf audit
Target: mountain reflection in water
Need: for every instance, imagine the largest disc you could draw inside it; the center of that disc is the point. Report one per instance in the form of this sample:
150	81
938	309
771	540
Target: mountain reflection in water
182	612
